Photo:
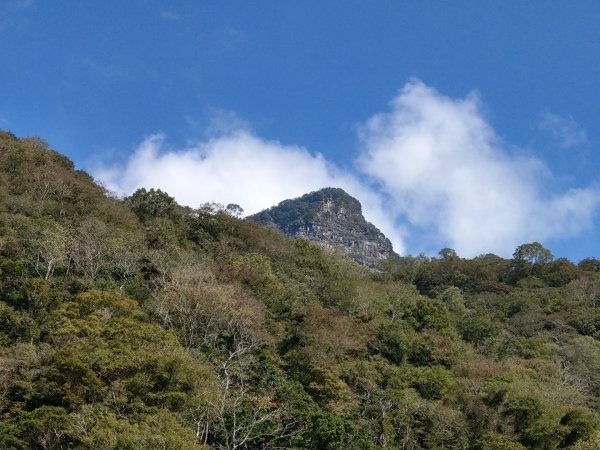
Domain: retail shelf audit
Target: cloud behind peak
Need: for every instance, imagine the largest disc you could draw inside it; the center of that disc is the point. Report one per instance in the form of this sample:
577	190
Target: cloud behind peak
454	181
241	168
432	173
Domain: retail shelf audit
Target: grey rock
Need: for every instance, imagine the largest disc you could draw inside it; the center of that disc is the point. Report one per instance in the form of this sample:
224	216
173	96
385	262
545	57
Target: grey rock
332	219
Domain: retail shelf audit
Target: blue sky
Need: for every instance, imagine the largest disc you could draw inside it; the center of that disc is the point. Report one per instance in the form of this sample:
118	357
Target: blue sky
469	124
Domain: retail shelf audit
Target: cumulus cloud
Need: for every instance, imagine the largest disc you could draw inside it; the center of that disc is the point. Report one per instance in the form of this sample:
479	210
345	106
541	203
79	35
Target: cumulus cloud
456	184
565	130
432	173
239	168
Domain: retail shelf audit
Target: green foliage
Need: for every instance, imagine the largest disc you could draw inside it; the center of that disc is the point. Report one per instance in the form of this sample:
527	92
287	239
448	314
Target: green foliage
431	382
580	426
589	265
45	427
142	324
534	253
403	269
431	314
494	441
149	204
478	327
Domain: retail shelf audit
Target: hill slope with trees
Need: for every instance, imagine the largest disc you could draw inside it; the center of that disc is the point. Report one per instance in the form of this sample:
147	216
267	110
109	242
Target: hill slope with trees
140	324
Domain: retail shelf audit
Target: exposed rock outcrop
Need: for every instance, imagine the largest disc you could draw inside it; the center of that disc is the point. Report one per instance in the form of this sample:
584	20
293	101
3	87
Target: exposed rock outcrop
332	219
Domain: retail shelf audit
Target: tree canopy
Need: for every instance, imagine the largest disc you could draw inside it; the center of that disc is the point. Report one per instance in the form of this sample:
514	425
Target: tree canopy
141	324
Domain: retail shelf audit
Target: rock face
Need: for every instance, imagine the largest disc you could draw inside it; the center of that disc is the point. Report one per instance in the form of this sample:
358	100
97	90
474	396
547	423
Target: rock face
332	219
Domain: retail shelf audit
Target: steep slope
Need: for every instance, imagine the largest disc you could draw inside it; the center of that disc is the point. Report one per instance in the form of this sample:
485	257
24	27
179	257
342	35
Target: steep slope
333	219
139	323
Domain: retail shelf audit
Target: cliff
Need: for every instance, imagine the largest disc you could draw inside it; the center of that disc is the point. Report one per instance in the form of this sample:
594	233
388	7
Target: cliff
333	219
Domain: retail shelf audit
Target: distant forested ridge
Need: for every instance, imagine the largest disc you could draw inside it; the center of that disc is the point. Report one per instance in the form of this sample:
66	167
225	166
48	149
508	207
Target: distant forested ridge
137	323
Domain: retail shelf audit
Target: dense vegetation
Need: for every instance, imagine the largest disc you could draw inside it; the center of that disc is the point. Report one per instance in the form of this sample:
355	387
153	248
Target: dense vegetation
140	324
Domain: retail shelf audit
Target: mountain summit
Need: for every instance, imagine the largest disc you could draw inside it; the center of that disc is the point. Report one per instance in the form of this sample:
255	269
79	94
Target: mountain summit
333	219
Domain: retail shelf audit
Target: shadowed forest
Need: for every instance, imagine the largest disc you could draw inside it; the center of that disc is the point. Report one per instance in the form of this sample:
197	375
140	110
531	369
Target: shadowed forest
137	323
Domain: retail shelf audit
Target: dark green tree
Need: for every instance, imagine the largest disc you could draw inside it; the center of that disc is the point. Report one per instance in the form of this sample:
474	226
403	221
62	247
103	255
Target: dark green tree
148	204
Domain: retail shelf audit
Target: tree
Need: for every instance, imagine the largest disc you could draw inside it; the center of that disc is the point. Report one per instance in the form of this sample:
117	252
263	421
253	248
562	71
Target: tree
153	203
234	210
589	265
447	253
50	245
533	253
528	264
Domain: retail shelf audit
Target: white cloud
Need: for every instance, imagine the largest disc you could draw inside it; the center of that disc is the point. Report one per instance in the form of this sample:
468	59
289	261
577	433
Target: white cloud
456	184
239	168
443	177
565	130
220	122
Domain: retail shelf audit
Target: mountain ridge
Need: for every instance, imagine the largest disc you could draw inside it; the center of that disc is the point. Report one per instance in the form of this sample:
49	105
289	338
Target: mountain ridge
333	219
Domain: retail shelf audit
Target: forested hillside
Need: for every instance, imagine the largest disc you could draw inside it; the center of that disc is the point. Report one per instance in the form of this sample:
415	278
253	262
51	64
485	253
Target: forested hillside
141	324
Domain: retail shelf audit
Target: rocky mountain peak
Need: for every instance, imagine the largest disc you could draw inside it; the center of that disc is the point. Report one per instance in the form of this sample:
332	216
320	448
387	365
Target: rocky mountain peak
333	219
